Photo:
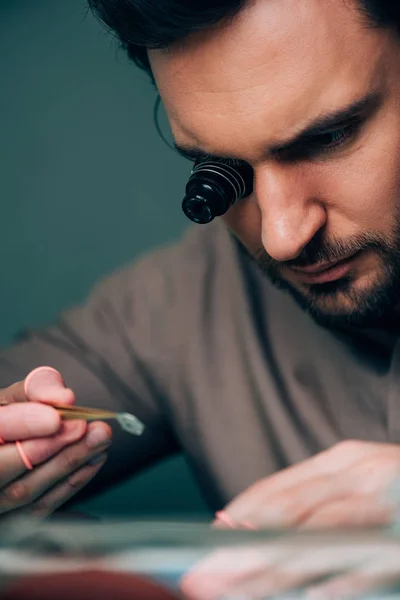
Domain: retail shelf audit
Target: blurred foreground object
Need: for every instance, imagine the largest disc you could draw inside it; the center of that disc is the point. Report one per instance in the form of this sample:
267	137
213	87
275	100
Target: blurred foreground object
200	561
85	586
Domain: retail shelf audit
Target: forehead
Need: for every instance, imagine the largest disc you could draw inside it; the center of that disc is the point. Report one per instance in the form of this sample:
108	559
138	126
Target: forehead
277	65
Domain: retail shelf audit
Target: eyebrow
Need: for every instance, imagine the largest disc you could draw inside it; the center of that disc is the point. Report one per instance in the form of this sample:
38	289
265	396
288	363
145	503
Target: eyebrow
320	126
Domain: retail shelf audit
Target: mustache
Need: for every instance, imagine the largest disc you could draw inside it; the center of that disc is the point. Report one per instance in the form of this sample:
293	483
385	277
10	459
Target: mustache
334	250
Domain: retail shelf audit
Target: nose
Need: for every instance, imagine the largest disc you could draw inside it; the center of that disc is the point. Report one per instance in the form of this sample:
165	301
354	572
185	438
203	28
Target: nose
291	212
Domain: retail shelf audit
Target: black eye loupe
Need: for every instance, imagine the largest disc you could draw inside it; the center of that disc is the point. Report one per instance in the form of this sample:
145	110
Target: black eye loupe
214	187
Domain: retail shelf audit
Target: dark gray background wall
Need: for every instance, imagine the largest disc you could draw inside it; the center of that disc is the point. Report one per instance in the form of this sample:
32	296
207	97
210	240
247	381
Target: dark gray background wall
86	185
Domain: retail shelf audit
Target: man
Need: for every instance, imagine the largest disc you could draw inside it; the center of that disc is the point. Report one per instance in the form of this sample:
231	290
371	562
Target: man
267	340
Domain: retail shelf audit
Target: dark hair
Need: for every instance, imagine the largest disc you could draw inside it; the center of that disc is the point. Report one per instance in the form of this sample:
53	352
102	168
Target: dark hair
145	24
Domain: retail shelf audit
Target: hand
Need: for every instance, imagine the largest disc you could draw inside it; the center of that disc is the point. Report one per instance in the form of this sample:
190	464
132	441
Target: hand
65	455
349	485
317	566
346	486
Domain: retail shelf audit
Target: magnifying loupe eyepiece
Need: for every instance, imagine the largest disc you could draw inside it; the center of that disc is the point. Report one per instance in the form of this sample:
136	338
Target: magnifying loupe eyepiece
214	187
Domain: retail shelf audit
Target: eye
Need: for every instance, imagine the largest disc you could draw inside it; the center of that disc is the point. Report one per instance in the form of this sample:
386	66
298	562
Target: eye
336	138
323	143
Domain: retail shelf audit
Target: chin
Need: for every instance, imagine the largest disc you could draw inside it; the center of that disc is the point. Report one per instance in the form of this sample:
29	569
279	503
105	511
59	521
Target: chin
347	302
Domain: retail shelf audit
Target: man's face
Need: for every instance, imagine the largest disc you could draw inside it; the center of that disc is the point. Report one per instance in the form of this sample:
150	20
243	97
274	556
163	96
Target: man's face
309	96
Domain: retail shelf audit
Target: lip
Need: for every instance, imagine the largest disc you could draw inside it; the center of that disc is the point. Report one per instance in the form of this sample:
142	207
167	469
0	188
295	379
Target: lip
324	272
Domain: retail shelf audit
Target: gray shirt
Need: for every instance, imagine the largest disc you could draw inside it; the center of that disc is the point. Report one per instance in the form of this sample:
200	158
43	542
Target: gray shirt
219	364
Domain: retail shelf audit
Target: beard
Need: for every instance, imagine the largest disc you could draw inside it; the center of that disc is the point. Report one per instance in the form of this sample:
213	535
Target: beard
343	303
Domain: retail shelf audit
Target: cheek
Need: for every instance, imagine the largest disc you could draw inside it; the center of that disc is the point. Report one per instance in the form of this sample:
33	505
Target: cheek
365	189
244	221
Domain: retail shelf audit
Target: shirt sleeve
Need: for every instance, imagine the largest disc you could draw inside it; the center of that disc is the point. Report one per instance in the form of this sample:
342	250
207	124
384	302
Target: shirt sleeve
115	351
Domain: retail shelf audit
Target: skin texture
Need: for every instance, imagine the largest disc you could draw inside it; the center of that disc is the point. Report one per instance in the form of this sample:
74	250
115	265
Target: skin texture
242	91
61	452
245	89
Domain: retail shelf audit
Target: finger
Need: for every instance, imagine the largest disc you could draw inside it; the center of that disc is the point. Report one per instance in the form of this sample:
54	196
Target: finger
41	385
303	564
22	421
329	462
28	488
357	583
212	581
38	450
65	490
45	384
224	569
293	505
355	511
13	393
28	420
269	583
299	568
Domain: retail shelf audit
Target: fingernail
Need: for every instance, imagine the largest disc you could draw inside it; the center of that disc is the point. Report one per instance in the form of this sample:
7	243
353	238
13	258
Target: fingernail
97	437
46	372
99	458
41	378
222	517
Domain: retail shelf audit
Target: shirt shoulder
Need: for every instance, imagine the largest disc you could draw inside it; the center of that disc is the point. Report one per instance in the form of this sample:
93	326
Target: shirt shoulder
164	277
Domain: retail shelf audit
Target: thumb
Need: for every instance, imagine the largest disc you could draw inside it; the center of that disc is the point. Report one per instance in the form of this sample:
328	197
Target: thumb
45	384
